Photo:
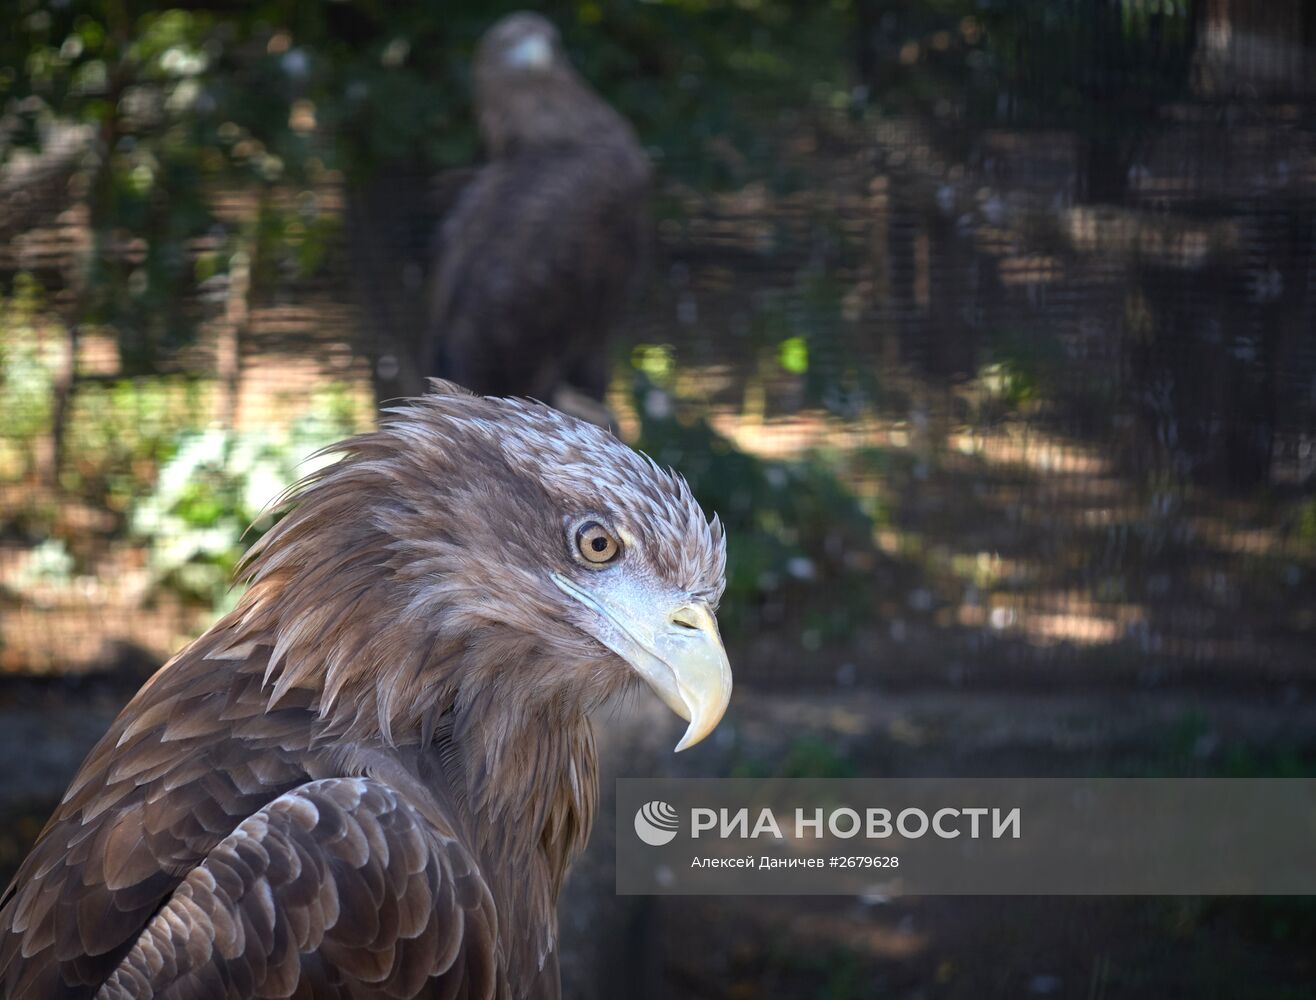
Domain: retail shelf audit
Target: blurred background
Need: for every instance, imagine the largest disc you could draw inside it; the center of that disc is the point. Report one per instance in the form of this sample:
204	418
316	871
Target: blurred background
988	326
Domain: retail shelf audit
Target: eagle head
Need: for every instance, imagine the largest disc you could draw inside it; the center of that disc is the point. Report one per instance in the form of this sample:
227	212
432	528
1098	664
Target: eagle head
529	98
495	545
521	43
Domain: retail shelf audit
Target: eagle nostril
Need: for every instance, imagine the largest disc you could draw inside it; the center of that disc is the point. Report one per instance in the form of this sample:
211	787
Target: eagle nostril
687	618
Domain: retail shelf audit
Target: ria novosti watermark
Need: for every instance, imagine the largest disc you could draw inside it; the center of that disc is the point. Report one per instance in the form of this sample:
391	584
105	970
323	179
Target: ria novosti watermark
844	822
997	836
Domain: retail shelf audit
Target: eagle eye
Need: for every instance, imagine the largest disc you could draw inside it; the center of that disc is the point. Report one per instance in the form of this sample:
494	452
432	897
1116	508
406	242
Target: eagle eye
596	544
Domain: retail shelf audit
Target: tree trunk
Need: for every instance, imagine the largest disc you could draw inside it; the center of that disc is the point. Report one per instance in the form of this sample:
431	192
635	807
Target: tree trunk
99	204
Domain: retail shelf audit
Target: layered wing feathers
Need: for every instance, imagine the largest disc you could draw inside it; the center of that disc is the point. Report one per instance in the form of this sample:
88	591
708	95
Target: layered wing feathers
204	851
335	889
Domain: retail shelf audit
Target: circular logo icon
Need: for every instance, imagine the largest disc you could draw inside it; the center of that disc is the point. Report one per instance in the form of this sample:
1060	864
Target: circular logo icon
656	823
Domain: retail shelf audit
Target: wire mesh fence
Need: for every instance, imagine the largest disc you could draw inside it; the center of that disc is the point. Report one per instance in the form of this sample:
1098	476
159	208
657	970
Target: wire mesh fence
988	328
1003	368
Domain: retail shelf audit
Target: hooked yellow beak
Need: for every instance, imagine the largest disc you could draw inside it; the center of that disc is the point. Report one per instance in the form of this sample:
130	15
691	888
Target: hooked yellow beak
677	650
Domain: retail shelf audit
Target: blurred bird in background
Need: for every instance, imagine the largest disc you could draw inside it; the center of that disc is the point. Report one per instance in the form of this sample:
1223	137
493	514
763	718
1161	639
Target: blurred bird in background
540	246
371	777
537	255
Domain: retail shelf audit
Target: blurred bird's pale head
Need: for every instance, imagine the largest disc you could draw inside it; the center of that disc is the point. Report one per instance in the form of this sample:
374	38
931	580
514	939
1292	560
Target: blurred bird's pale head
529	97
504	547
522	42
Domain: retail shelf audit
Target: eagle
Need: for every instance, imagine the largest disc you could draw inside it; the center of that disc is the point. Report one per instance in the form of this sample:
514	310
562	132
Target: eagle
535	258
371	777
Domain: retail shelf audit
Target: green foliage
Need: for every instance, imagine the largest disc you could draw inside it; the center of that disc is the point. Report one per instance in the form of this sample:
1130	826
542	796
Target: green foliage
28	356
795	531
835	972
1035	63
176	105
1193	745
117	431
793	355
705	81
120	432
213	497
804	333
806	757
1304	522
48	563
1007	384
